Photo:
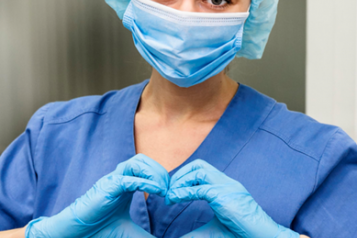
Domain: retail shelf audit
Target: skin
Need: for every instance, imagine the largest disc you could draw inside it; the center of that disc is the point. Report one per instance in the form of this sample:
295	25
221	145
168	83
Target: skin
171	122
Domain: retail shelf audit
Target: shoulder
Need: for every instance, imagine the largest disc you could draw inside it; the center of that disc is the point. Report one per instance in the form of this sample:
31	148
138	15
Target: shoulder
299	131
330	147
64	111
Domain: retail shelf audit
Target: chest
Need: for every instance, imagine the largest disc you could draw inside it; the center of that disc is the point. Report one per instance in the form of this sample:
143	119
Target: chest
169	144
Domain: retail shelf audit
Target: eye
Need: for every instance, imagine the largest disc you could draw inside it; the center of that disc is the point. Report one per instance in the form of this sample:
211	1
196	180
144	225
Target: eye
217	2
217	5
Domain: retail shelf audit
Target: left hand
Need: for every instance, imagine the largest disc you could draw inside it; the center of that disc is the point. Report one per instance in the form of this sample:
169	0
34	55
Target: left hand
232	204
103	211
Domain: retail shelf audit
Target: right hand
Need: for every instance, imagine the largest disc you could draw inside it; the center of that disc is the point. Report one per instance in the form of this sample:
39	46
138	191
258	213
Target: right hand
104	210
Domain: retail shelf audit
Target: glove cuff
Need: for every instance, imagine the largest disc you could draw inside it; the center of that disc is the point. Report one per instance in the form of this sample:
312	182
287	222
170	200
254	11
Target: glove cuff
286	233
30	231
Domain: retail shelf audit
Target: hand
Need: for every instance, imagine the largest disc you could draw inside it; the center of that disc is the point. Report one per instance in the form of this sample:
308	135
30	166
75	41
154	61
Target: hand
232	204
104	210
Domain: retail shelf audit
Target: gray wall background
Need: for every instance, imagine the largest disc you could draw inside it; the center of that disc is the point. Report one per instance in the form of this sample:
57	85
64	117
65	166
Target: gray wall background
54	50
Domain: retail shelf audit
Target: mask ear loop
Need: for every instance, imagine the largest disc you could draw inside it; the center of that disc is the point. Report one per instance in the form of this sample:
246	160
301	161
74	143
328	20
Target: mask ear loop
250	5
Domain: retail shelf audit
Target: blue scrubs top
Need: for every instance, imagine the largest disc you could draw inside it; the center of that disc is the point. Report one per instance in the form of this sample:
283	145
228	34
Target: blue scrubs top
301	172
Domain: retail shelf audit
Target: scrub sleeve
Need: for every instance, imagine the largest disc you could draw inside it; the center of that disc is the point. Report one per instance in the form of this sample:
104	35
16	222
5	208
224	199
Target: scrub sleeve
18	176
331	209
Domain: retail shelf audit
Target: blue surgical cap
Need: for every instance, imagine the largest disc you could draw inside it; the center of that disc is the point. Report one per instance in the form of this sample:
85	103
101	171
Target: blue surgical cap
256	31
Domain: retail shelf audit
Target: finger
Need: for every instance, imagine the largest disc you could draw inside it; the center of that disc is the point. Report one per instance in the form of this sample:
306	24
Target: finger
202	192
132	184
143	159
101	198
115	185
144	167
195	165
199	177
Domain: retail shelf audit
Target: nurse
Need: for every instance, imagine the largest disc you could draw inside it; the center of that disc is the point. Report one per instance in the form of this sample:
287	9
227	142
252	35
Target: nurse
187	153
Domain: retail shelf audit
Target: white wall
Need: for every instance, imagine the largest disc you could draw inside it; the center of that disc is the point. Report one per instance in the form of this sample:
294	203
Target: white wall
331	80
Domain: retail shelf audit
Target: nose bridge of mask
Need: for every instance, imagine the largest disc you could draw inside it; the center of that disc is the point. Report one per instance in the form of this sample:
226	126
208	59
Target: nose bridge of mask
185	47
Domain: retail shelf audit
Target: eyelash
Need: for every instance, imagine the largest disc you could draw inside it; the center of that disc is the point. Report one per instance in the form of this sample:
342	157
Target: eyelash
218	7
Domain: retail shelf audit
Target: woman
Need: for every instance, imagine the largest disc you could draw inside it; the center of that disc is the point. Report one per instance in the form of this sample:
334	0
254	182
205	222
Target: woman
196	154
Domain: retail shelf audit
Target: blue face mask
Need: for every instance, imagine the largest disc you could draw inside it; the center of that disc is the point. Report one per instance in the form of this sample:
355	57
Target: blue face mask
184	47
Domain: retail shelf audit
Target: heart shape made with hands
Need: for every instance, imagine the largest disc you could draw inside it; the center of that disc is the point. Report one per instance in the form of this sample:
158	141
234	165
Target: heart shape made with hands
187	184
236	212
103	211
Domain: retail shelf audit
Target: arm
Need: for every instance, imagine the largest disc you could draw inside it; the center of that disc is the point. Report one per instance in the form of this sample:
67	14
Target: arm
331	210
18	176
16	233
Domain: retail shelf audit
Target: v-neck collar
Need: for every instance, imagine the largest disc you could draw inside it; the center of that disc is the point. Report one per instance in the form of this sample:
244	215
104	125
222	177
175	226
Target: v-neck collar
242	117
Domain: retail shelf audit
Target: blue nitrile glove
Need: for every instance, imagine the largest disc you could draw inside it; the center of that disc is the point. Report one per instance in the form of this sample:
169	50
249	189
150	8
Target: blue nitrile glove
232	204
104	210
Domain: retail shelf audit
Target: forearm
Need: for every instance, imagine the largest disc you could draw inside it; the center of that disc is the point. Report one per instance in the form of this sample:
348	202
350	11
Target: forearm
303	236
16	233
